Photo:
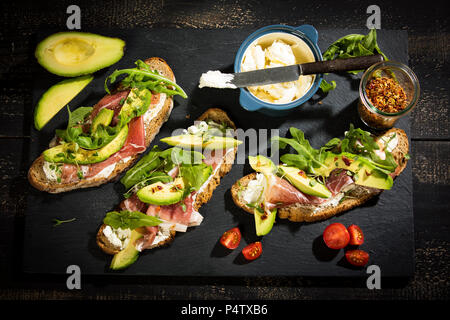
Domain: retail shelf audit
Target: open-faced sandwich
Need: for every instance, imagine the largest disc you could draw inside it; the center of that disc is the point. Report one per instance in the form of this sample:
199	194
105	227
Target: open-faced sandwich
166	188
102	141
316	184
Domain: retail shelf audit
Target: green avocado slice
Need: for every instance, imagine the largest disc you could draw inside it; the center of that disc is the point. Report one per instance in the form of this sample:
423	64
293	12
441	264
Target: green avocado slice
71	153
129	254
104	117
72	53
196	142
364	173
302	182
162	194
263	221
55	98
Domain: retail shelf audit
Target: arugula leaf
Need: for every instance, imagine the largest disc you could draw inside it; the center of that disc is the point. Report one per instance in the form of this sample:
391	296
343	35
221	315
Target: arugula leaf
78	115
143	77
352	45
195	175
360	142
130	220
308	158
179	156
142	169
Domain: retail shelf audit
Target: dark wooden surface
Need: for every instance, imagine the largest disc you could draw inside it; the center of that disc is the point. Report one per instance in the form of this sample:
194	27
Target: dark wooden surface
429	44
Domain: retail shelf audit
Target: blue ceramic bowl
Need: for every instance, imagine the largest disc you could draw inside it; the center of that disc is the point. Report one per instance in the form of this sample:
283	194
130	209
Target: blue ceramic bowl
248	101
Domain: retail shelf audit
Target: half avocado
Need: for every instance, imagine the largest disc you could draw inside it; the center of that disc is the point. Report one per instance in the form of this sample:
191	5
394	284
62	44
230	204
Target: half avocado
71	54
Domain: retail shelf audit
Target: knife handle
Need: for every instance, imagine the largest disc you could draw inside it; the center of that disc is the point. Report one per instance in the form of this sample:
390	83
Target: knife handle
338	65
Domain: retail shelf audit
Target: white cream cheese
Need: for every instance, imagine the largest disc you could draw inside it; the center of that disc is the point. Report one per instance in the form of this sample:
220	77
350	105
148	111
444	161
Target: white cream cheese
51	171
253	193
216	79
151	113
198	128
278	54
119	238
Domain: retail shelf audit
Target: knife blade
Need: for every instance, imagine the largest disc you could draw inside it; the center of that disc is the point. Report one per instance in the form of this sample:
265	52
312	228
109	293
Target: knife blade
293	72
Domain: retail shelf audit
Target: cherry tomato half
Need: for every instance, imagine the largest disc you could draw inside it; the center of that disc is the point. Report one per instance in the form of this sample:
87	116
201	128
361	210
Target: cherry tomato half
336	236
252	251
357	258
231	238
356	235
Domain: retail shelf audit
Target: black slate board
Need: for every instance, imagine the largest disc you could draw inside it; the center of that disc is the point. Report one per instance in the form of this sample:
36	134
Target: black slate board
291	249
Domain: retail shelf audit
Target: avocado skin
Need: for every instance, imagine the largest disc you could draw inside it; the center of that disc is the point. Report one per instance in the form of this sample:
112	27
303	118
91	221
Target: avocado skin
129	254
58	154
103	52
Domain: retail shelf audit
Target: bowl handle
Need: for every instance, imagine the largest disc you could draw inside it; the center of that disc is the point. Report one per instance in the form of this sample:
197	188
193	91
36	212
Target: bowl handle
309	31
246	102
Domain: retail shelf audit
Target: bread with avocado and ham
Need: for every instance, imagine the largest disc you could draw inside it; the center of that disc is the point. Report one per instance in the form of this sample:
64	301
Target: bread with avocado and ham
324	182
103	141
170	186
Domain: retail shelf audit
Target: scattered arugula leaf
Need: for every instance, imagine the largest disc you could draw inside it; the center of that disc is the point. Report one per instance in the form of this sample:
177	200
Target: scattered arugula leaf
57	222
130	220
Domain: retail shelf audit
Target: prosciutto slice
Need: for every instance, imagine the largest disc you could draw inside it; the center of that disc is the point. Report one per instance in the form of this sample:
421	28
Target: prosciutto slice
133	204
214	157
338	180
179	213
111	102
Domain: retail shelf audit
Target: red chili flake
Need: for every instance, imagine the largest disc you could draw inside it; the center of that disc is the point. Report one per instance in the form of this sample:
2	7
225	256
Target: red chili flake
386	95
368	173
302	173
346	160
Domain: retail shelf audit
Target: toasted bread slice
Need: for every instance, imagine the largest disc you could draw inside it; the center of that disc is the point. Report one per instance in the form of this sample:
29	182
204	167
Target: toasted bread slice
357	196
216	115
36	174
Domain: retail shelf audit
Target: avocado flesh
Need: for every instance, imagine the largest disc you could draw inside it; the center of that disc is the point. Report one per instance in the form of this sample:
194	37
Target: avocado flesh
262	164
264	222
129	254
104	117
162	194
71	153
55	98
71	54
136	100
305	184
189	141
365	173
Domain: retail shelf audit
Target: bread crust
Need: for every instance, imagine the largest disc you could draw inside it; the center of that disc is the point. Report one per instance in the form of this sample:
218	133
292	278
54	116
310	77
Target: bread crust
36	174
217	115
360	195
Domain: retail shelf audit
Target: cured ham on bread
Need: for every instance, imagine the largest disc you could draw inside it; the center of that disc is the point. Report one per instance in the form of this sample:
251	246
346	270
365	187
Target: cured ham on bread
102	141
166	188
316	184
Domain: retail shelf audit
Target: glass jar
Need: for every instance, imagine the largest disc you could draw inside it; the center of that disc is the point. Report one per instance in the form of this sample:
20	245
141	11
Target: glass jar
400	73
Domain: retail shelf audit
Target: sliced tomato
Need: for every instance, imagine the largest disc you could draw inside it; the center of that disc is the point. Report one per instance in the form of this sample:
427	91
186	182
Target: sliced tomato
336	236
356	235
231	238
357	258
252	251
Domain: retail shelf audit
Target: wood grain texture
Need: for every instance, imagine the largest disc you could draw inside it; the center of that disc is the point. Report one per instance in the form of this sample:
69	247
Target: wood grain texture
428	29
